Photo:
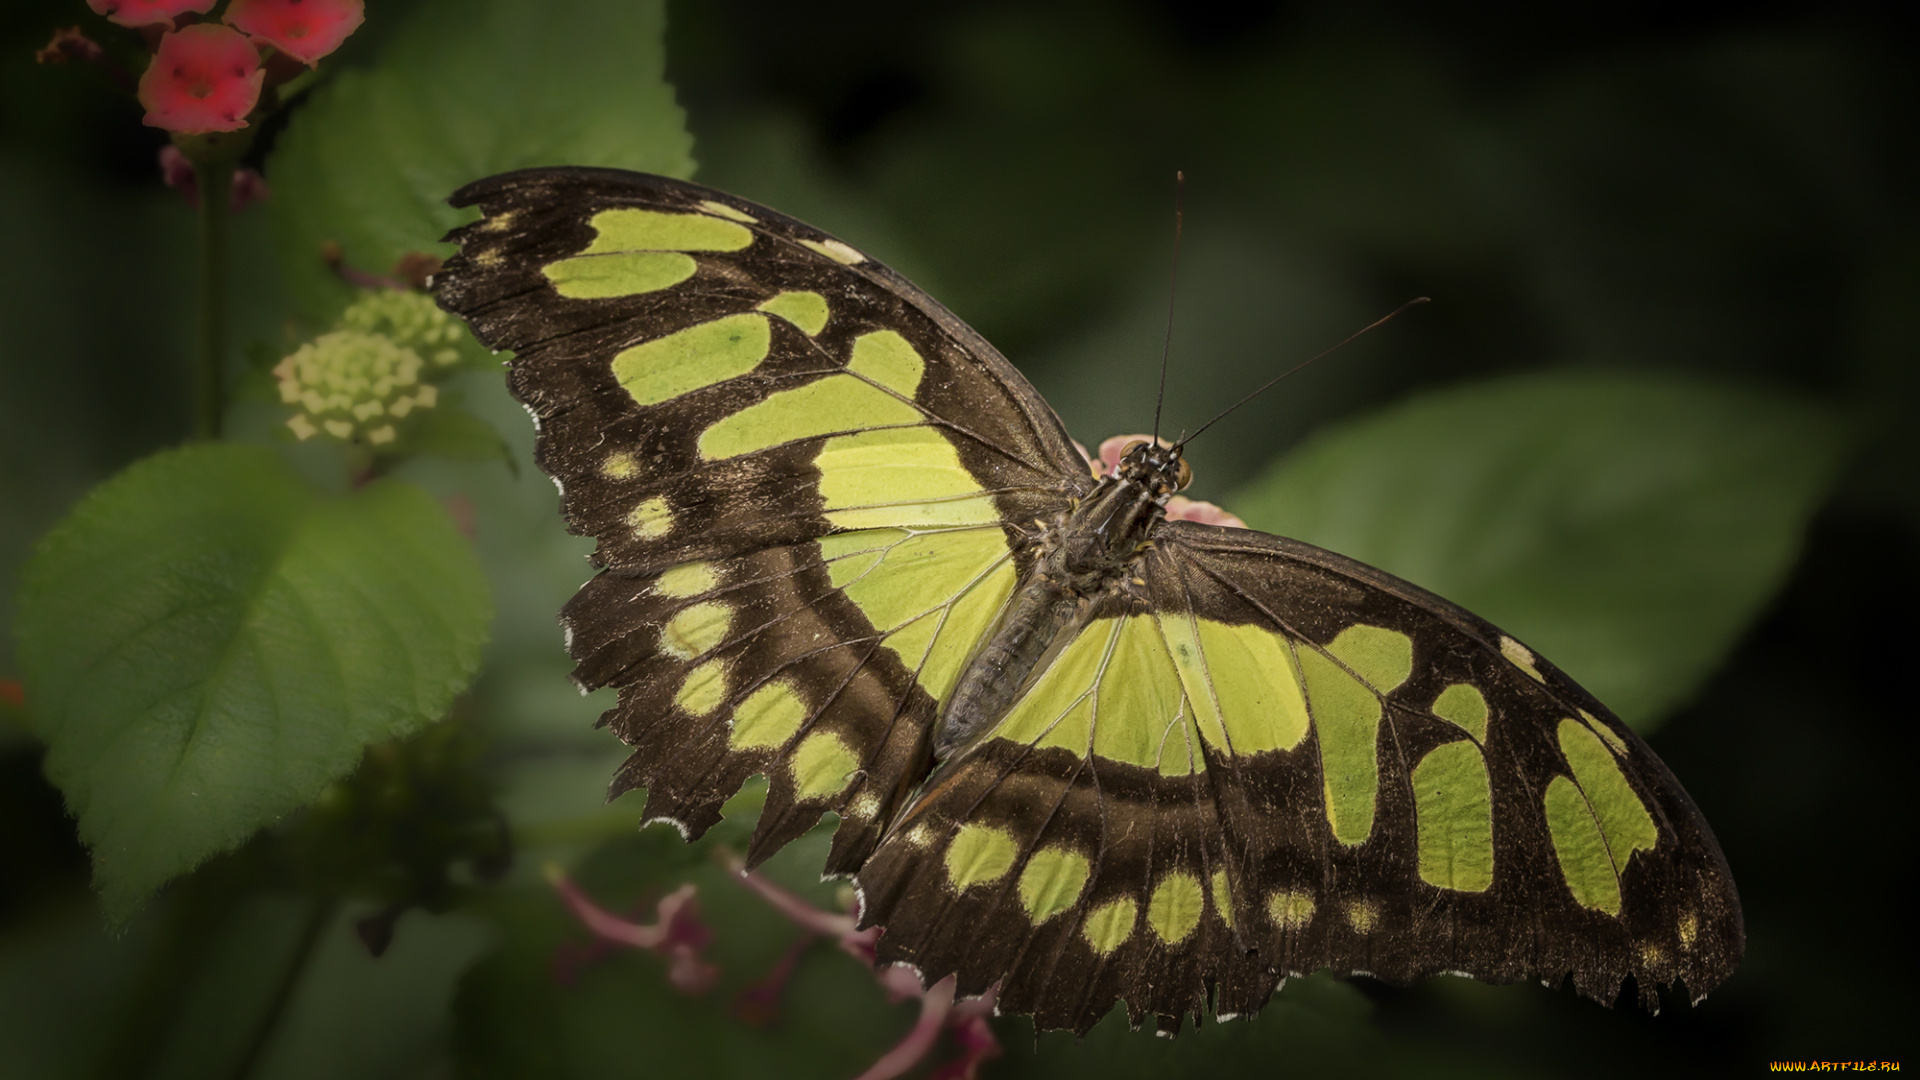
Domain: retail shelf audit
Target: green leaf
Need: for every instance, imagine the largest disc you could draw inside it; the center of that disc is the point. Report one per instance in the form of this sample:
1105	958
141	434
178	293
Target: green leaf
1627	527
206	642
365	1016
453	433
466	89
72	992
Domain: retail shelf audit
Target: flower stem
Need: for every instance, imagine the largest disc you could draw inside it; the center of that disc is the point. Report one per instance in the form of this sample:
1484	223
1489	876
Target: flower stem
215	181
319	917
195	913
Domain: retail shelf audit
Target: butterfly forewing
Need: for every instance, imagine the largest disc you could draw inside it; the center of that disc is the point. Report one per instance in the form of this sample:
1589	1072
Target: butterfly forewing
798	468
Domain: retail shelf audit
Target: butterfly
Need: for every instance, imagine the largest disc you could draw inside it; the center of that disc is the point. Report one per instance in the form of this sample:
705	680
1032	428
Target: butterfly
1077	751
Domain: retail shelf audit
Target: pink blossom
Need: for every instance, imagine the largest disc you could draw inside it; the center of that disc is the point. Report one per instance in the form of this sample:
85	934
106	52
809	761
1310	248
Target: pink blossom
676	936
203	78
303	29
938	1010
148	12
176	172
1181	508
967	1020
974	1036
69	44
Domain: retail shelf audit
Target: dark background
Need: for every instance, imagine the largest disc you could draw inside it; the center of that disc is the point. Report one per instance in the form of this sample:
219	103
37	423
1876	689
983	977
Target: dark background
1725	190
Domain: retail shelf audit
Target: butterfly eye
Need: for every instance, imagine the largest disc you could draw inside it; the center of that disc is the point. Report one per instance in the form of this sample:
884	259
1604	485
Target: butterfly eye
1127	450
1186	476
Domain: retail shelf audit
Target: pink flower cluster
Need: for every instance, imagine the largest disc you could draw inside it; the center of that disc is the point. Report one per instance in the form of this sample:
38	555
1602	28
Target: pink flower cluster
206	76
677	937
677	934
138	13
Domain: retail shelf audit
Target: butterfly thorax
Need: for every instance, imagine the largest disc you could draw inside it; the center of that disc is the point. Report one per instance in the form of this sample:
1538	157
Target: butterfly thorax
1084	567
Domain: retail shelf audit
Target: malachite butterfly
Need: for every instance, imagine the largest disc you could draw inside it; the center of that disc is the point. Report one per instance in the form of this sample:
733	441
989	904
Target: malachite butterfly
1075	749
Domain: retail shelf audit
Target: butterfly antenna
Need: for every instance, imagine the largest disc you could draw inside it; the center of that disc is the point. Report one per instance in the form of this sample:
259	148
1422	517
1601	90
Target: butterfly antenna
1264	387
1173	289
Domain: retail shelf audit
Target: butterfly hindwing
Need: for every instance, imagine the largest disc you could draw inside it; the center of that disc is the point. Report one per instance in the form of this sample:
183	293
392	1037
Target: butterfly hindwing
1072	879
1285	761
798	468
1492	818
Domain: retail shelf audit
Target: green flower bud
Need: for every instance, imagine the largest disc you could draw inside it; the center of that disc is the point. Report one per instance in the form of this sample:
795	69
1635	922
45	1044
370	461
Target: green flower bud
411	319
352	385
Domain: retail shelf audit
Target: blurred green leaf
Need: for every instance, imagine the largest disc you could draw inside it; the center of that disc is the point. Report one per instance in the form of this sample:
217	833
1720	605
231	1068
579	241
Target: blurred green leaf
458	435
466	89
81	394
206	642
66	988
373	1017
1628	527
62	985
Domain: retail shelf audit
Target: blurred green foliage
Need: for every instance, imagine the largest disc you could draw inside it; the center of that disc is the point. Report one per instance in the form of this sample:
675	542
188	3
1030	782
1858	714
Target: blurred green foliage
208	645
1632	522
1691	229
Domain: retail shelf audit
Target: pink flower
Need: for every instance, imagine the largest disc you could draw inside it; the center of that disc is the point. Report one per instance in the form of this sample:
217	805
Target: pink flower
177	172
303	29
938	1010
677	937
148	12
69	44
1179	508
975	1038
967	1020
203	78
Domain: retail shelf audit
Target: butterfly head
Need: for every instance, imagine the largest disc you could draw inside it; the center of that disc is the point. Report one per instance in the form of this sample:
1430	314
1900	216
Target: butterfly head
1158	467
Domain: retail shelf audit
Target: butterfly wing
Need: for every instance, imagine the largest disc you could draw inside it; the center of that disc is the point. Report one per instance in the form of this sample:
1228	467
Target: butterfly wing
1284	761
800	470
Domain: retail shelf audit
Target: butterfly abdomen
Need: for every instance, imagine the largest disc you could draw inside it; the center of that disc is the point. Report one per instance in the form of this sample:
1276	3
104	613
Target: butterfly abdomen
1082	571
998	673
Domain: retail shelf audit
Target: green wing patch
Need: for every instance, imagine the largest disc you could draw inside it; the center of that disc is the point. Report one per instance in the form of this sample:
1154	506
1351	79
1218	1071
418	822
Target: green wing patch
1136	717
